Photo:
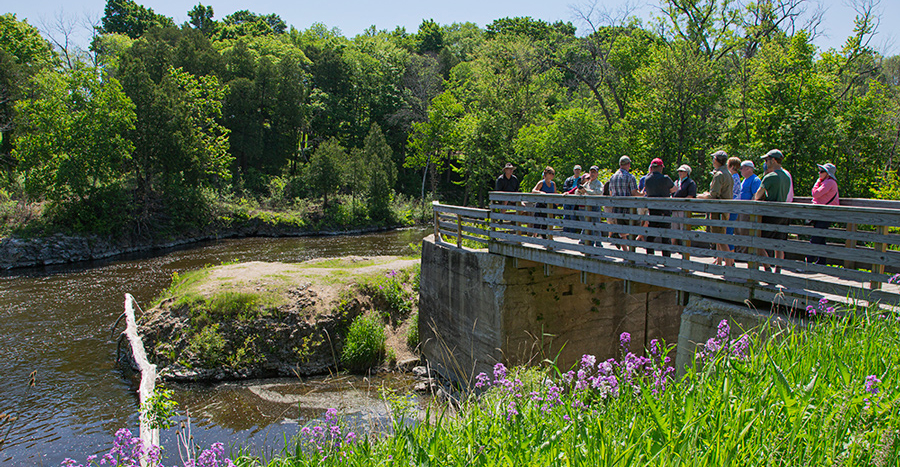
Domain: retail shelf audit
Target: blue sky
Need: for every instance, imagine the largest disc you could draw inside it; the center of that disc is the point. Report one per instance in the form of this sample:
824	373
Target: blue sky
354	16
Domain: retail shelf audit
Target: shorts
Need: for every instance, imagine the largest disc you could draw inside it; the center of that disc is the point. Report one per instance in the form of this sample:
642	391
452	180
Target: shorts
775	221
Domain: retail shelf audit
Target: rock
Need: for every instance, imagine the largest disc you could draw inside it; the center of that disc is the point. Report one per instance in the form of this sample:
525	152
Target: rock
420	372
407	364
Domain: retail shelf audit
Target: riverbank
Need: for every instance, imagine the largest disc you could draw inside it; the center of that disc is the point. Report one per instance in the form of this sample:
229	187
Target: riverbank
264	319
61	248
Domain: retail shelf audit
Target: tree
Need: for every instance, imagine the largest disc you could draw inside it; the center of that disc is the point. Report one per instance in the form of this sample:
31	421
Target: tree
72	140
323	169
131	19
382	174
202	19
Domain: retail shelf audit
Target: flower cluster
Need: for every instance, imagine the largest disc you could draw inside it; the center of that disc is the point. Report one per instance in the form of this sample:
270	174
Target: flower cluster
328	438
872	388
128	450
721	344
895	279
821	309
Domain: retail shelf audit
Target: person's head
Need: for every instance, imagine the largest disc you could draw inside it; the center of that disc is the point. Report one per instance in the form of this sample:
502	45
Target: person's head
549	172
625	162
594	172
508	170
734	164
827	170
773	159
719	158
656	165
747	168
577	170
684	171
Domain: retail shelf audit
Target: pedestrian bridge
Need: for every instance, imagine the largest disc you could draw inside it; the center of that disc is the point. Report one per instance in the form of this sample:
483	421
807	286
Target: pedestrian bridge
862	249
491	290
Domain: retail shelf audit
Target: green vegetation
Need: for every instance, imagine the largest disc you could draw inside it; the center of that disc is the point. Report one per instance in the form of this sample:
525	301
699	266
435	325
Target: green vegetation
826	394
164	130
364	346
159	409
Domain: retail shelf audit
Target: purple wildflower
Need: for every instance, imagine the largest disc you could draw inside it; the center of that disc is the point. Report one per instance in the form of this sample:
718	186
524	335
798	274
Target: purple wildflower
871	384
654	347
588	361
625	340
499	372
724	329
482	380
895	279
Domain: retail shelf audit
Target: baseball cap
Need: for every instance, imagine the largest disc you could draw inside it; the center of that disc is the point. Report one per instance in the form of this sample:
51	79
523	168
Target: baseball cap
773	154
748	163
720	156
594	167
624	160
657	163
577	167
685	168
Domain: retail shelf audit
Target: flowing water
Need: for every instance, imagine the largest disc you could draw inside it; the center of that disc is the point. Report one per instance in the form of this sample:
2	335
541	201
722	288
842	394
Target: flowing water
56	322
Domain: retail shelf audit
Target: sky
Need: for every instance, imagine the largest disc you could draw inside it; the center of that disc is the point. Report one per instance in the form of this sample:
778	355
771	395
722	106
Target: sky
352	17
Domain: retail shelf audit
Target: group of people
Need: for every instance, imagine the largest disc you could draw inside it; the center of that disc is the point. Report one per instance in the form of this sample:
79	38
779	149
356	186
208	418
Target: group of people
732	179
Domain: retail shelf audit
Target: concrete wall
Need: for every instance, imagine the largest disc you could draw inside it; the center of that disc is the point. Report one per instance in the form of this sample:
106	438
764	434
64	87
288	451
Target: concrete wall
700	321
477	309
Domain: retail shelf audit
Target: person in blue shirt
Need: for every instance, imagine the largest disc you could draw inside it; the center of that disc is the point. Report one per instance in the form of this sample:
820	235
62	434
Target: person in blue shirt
749	187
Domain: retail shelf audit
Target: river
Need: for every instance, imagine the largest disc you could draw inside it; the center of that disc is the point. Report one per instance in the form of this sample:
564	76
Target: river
56	321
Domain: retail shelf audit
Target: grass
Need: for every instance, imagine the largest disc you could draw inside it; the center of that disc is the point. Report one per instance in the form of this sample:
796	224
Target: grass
827	394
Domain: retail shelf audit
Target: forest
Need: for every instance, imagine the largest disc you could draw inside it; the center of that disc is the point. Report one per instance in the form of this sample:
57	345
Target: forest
159	127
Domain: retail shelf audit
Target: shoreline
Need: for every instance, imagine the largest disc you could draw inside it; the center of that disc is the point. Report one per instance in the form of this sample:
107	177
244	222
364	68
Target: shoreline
62	249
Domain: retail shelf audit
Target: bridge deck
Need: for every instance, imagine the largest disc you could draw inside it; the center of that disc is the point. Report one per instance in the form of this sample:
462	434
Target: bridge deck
855	271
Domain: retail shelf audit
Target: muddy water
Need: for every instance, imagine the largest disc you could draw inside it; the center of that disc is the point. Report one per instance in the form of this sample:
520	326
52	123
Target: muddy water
56	321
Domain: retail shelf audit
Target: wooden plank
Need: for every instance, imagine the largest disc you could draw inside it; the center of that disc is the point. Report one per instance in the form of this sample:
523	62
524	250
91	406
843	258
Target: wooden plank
462	211
850	244
881	248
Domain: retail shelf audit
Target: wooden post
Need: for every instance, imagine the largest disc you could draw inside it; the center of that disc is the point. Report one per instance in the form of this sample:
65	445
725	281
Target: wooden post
437	227
881	248
687	227
850	243
458	231
754	265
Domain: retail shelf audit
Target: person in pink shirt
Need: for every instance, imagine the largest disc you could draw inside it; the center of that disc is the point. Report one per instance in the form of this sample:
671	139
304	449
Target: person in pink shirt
825	191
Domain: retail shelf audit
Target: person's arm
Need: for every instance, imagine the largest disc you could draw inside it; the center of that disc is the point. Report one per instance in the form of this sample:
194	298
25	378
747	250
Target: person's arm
760	193
537	188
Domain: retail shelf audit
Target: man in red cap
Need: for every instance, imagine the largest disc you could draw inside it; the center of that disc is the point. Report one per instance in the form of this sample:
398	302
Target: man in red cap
658	185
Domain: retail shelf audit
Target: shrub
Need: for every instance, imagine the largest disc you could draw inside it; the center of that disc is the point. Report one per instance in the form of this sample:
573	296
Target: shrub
412	333
365	344
209	346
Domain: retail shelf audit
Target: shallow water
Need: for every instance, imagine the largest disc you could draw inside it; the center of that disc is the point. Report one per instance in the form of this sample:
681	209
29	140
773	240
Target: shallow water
56	321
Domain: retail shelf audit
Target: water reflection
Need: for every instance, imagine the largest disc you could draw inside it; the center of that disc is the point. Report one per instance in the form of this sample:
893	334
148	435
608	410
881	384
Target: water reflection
56	320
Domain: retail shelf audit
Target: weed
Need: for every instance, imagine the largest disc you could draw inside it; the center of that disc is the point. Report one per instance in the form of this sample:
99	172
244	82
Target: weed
364	346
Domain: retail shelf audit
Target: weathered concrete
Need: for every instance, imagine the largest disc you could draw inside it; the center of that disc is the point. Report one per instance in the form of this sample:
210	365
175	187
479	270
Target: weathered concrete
478	308
700	321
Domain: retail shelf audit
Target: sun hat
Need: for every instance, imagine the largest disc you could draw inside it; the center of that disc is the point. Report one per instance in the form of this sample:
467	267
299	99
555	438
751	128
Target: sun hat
577	167
508	166
624	160
748	163
684	168
657	163
829	168
773	154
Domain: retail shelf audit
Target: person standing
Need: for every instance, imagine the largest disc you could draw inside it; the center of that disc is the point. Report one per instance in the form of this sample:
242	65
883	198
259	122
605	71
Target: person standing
570	185
544	185
824	192
734	168
592	187
623	183
720	187
684	188
507	182
749	187
658	185
775	187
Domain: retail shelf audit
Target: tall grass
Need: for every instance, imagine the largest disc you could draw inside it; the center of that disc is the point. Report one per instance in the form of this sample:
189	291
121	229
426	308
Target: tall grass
826	394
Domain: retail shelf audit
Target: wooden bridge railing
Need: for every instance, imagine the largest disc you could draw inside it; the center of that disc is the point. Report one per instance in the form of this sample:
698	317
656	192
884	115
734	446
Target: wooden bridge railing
613	228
